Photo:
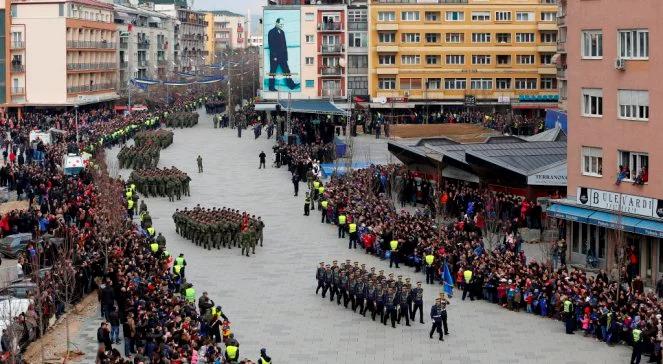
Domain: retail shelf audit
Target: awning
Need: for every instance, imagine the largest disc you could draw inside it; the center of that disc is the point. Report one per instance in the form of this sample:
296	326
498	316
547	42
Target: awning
607	219
388	105
534	106
122	15
612	221
265	107
457	173
651	228
311	107
569	213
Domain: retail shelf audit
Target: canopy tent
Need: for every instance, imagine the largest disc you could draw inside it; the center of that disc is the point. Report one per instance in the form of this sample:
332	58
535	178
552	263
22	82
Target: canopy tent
311	107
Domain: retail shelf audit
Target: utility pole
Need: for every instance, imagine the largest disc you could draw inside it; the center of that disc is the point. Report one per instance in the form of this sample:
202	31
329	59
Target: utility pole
287	122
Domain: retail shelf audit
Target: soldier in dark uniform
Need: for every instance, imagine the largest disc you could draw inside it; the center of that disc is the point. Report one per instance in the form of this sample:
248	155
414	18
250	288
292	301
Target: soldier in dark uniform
335	283
320	277
404	302
329	281
417	297
379	302
359	295
390	307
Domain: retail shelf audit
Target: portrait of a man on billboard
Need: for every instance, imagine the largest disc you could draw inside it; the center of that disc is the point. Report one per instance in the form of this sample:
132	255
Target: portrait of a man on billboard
282	50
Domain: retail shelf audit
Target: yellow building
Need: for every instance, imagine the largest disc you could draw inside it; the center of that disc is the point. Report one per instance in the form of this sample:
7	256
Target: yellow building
225	30
499	51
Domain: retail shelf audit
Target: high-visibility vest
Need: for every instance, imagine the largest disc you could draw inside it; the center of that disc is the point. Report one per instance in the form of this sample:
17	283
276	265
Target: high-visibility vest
393	244
316	184
166	253
130	204
324	204
231	350
128	193
216	311
264	361
636	335
341	219
133	187
179	261
142	215
151	231
468	276
321	190
177	269
352	227
567	306
190	294
154	247
430	259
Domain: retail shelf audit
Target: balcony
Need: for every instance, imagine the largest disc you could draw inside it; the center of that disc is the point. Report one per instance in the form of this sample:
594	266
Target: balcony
82	44
143	45
561	72
331	48
124	45
161	62
161	46
89	88
330	27
547	48
561	46
124	64
334	92
561	18
330	71
142	63
18	68
91	66
18	44
18	90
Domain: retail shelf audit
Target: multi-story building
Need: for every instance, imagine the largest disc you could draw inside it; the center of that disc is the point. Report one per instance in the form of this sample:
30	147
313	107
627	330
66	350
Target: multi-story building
255	41
472	52
62	52
358	49
225	30
189	49
615	161
146	44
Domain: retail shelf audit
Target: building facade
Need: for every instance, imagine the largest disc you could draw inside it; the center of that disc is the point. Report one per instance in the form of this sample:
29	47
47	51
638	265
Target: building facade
146	49
225	30
62	53
189	52
615	162
471	52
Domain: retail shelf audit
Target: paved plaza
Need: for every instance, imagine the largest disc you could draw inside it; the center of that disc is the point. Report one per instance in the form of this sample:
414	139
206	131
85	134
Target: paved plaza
270	297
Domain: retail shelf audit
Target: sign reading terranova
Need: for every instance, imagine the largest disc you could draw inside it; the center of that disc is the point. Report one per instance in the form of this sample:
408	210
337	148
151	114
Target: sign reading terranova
614	201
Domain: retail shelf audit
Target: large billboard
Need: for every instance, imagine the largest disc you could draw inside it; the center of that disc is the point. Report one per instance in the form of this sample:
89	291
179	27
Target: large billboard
282	43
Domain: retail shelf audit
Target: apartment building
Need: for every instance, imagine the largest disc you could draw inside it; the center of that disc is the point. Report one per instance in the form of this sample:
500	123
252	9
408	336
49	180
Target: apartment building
615	162
463	52
225	30
189	52
146	49
62	53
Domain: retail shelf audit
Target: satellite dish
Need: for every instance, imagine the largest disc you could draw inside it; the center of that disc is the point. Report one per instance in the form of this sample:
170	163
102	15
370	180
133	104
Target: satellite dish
341	62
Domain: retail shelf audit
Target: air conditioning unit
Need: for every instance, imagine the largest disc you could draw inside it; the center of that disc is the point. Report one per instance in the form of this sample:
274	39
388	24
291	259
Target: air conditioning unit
620	64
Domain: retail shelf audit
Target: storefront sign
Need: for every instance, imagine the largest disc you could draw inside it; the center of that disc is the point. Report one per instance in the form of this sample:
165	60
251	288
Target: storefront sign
555	176
614	201
470	100
503	100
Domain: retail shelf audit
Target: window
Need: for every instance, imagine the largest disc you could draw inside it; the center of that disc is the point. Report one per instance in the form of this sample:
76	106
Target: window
545	58
481	84
525	83
480	37
358	40
455	84
432	59
503	83
592	44
481	16
525	37
634	163
455	16
433	84
386	83
634	44
387	59
309	61
310	83
410	59
432	15
386	16
455	59
548	16
480	59
309	16
592	102
548	37
633	105
502	16
13	10
503	37
410	37
592	161
359	84
387	37
455	37
310	39
410	15
525	59
524	16
410	83
357	16
548	83
503	59
432	37
357	62
60	9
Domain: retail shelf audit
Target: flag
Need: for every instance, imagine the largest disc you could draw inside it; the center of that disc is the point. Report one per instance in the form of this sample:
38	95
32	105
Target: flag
448	281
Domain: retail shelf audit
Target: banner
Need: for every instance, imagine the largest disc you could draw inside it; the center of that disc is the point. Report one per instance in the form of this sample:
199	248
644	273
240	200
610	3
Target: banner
282	50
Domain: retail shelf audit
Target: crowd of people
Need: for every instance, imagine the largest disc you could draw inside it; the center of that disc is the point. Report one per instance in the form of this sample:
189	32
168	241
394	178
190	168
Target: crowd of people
303	158
220	227
182	119
161	182
162	137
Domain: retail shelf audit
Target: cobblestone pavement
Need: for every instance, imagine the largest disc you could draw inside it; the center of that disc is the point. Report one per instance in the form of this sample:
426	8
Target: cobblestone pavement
270	297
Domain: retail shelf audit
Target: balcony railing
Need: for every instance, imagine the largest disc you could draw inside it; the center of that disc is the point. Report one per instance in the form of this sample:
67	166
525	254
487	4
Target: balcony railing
333	27
89	88
161	62
334	92
18	68
142	63
18	90
91	66
90	44
124	45
18	44
331	71
561	17
143	45
124	64
331	48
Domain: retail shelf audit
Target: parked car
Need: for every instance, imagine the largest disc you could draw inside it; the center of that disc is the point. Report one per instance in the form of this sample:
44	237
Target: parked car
12	245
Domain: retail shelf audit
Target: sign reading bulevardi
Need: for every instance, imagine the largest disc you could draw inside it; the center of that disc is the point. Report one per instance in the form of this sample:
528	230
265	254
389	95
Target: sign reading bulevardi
615	201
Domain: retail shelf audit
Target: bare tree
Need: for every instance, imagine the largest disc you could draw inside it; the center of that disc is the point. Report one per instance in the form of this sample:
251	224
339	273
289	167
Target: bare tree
64	279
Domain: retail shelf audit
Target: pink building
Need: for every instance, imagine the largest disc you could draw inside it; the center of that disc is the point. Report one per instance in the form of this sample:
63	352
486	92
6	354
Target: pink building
609	67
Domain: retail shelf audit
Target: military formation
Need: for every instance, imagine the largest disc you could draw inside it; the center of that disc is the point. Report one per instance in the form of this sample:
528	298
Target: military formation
215	106
162	137
161	182
354	286
182	119
217	228
140	156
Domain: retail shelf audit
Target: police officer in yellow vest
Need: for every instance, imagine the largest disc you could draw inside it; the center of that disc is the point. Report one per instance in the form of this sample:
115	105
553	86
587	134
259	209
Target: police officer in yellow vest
637	344
316	186
264	358
154	247
130	208
429	259
323	208
341	225
354	235
180	261
393	257
190	293
177	270
151	231
569	313
468	283
232	353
